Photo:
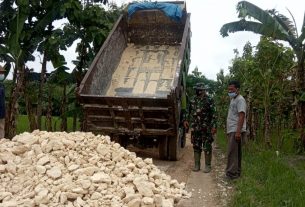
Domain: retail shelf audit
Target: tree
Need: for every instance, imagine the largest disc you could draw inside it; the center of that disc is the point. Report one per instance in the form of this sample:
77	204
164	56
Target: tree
197	77
15	52
62	77
270	62
221	97
91	25
272	24
22	29
51	43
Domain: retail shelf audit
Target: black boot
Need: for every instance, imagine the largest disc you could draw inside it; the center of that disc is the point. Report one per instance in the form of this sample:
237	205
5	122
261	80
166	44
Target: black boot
197	157
208	160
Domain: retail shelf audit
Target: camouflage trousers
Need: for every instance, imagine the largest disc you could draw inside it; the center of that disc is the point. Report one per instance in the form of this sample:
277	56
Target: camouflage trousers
202	141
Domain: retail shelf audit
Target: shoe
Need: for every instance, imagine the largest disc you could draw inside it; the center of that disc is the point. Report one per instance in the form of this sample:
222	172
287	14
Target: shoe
207	169
229	178
208	160
197	157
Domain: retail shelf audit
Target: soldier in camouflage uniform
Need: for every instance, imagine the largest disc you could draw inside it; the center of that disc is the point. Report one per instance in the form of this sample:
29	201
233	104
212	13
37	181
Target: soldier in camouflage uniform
202	117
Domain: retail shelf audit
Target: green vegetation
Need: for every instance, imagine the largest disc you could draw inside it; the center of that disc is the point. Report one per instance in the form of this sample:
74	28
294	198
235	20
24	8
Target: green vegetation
267	179
23	124
28	26
273	68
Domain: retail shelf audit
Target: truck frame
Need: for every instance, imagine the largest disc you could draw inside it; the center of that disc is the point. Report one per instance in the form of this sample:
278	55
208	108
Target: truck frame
130	119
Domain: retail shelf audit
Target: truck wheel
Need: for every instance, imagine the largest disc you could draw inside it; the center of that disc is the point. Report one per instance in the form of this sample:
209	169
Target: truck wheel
162	145
183	138
122	140
174	147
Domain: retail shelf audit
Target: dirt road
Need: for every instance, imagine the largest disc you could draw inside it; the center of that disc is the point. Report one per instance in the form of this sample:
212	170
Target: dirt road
207	189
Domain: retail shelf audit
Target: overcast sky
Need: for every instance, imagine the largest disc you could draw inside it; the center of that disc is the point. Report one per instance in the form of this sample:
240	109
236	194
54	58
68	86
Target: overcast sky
209	51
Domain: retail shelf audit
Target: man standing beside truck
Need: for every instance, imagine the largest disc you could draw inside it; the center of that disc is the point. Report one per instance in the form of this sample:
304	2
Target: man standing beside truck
236	130
202	118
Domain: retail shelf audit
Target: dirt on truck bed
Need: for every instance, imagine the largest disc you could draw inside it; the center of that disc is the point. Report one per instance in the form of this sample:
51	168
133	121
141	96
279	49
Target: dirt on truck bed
145	71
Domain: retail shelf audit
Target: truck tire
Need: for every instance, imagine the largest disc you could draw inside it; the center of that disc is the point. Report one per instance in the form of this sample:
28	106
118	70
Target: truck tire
162	145
183	138
174	147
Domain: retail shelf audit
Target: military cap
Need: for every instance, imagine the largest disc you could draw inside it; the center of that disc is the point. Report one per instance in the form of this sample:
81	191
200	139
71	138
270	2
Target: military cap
201	86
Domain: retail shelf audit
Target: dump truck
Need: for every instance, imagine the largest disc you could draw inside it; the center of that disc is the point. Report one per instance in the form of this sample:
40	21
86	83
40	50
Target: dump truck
135	89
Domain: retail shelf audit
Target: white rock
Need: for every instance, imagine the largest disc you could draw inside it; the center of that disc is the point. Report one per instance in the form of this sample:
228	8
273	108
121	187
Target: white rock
148	161
96	196
12	203
144	187
130	197
167	203
2	168
37	149
41	169
63	198
89	171
68	143
79	190
85	184
11	167
129	190
80	201
147	201
41	200
5	194
18	150
27	138
7	156
73	167
158	200
44	160
80	169
54	172
101	178
134	203
71	195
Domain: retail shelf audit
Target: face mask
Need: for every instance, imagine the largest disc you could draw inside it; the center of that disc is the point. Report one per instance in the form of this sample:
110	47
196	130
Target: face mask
232	94
1	77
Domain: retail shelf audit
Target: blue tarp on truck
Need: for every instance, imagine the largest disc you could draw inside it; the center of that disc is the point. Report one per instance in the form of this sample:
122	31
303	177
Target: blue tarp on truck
173	11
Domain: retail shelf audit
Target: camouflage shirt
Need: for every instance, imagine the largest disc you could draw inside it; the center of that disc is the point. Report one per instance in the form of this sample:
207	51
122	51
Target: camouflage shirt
202	114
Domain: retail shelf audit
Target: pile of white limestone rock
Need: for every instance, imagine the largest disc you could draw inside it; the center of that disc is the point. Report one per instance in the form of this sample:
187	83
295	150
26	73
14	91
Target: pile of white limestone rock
80	169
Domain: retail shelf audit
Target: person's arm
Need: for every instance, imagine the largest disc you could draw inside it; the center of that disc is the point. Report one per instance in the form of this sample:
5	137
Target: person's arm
214	117
241	119
241	108
187	117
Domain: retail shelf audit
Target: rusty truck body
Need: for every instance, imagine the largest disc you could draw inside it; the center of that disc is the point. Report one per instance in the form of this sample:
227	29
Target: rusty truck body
134	90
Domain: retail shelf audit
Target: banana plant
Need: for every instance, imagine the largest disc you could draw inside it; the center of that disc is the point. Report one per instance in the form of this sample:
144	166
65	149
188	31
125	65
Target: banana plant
14	53
273	24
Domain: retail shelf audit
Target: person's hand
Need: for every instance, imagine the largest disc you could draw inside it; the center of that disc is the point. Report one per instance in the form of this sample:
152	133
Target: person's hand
214	131
237	136
186	124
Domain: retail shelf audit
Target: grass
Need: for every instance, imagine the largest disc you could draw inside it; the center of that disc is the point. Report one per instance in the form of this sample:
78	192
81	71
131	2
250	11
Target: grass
23	124
267	179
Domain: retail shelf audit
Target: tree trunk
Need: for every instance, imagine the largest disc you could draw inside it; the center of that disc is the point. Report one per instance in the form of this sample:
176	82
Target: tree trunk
250	116
267	126
63	126
41	86
11	115
74	121
301	104
30	113
49	111
28	103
